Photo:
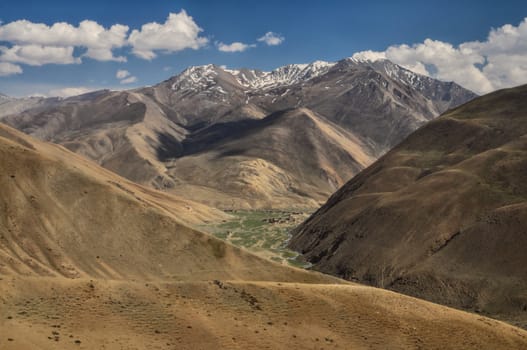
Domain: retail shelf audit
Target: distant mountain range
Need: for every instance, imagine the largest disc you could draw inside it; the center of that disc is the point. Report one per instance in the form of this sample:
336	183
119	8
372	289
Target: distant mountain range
10	106
442	216
246	138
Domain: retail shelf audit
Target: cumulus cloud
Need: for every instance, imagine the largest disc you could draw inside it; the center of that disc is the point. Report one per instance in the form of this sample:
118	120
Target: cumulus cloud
482	66
67	92
37	55
269	39
129	80
178	33
7	68
36	44
121	74
369	56
97	40
125	77
234	47
272	39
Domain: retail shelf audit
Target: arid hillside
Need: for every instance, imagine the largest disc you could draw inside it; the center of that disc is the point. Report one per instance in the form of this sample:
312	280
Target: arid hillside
443	216
91	261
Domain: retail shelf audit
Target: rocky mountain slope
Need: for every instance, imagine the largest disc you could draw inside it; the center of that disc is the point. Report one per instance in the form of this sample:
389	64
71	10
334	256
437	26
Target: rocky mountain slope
263	162
79	244
442	216
149	135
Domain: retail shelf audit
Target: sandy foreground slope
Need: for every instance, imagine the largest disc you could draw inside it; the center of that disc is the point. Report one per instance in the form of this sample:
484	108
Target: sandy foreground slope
59	313
91	261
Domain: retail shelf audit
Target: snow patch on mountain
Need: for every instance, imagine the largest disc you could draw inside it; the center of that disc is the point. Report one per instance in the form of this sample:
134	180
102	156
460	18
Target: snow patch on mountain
200	78
286	75
219	82
378	61
196	78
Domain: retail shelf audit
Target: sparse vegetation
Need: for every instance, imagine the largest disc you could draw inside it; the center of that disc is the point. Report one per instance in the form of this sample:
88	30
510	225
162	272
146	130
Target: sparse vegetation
264	232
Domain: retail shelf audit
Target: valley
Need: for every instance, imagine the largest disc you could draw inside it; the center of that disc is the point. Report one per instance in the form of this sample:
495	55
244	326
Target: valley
263	232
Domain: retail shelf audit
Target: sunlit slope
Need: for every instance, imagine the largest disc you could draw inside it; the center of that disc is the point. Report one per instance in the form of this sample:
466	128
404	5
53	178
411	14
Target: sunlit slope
65	216
57	313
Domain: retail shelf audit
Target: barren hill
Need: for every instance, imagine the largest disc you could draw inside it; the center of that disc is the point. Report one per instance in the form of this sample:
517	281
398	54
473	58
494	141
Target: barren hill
89	260
294	157
443	216
65	216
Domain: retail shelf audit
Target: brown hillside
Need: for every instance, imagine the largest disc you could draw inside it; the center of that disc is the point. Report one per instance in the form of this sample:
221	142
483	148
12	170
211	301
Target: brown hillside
91	261
443	216
65	216
293	158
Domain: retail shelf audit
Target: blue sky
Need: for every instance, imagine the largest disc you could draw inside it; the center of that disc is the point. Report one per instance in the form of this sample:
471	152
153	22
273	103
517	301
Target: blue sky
311	30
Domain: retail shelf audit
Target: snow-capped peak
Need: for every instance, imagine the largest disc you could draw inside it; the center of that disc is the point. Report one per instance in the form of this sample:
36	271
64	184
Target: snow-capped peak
286	75
200	78
406	76
231	71
206	77
195	77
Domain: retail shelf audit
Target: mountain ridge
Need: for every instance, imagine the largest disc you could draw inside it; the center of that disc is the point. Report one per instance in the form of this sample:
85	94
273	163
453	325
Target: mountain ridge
140	133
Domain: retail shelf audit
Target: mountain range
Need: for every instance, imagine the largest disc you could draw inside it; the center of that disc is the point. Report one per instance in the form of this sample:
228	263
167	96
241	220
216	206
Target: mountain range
247	138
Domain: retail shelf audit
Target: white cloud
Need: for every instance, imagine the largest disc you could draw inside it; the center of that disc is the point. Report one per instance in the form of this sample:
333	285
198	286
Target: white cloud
37	44
482	66
178	33
129	80
98	40
7	68
369	56
101	54
125	77
37	55
272	39
121	74
234	47
67	91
